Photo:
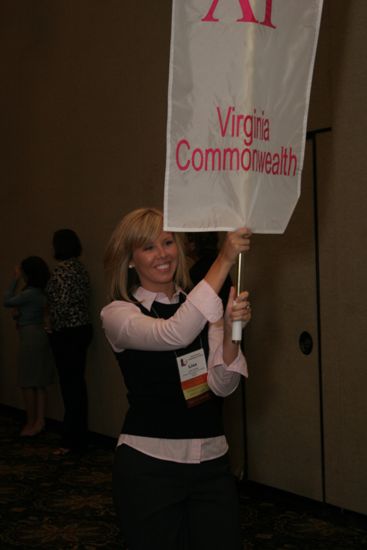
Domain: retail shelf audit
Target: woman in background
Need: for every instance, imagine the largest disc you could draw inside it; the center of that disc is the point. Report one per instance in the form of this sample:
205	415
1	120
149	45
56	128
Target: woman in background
172	486
36	367
68	293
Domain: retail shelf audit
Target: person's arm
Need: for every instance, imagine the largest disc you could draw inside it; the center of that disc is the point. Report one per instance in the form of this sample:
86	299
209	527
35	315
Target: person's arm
238	309
126	327
11	299
226	362
234	244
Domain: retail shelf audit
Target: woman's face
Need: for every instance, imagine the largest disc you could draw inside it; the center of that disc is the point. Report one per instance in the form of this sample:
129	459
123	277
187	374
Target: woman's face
156	263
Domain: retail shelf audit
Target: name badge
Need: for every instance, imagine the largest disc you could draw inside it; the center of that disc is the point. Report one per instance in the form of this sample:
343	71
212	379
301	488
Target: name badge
193	375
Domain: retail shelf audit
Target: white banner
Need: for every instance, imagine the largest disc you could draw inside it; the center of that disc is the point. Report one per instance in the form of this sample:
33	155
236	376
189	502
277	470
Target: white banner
239	86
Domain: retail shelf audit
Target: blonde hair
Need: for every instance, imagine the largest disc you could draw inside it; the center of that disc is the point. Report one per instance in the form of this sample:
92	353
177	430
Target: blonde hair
134	231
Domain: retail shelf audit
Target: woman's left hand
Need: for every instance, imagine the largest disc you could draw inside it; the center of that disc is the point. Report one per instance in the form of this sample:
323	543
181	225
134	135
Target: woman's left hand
238	309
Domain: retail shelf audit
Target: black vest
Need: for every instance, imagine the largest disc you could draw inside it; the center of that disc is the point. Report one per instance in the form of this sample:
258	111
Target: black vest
157	407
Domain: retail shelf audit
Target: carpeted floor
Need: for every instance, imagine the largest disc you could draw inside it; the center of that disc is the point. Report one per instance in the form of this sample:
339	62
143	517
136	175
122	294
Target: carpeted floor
65	503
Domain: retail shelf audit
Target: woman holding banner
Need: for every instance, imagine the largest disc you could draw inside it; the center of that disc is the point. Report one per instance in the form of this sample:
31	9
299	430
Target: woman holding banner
172	484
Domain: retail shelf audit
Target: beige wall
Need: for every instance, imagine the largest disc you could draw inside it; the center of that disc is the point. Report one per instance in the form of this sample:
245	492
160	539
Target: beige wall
306	415
343	266
83	82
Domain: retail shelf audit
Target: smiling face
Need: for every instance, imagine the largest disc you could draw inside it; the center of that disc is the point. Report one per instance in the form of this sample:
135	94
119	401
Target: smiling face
156	263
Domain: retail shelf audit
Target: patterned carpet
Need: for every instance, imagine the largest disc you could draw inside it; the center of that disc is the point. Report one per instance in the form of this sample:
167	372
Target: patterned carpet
65	503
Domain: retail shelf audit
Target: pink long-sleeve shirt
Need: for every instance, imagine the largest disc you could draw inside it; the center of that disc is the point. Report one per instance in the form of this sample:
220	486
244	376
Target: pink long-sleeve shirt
126	327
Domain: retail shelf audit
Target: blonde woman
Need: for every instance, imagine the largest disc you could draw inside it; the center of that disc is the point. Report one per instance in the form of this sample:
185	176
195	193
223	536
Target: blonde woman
172	484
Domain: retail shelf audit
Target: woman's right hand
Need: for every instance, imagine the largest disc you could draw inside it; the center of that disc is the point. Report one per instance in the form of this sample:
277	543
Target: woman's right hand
235	243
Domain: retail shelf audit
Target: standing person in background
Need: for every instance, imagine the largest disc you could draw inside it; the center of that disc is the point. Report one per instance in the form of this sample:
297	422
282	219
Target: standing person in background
35	363
173	489
68	293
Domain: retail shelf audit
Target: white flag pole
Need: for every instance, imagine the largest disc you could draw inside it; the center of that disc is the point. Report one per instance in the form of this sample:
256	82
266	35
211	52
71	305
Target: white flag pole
237	325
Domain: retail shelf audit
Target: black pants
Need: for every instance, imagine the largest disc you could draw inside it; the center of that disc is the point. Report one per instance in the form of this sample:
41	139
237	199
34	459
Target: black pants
69	347
163	505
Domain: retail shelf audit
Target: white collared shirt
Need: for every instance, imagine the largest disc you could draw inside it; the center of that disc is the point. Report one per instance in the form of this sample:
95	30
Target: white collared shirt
126	327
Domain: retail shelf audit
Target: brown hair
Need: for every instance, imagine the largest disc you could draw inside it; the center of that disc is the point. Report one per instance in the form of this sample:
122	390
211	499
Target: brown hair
135	230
